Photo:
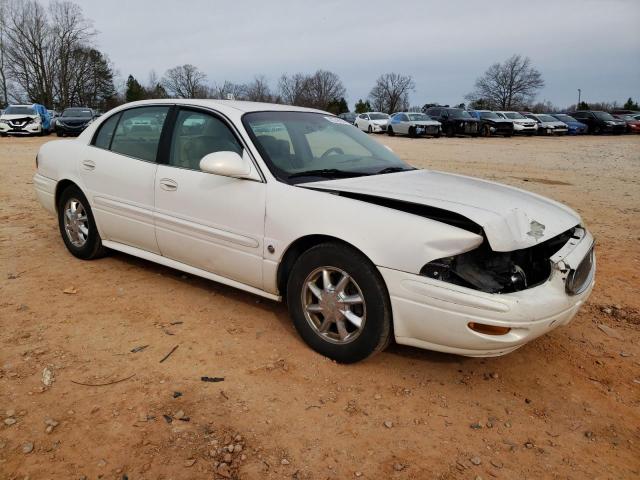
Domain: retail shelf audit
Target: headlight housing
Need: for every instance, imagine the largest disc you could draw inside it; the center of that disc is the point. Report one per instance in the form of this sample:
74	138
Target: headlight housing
580	278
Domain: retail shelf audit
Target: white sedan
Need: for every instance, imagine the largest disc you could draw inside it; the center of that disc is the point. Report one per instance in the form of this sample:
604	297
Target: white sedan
295	204
372	122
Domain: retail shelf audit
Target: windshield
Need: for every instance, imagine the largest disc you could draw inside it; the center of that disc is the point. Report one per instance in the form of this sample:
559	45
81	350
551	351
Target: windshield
302	147
378	116
77	112
419	117
489	115
19	110
458	113
514	116
603	116
565	118
547	118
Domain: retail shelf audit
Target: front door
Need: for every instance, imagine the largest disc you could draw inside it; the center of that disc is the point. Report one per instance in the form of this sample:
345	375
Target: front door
208	221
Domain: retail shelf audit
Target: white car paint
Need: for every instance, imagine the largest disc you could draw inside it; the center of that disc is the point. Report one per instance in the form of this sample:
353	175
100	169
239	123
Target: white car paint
8	121
366	123
237	230
521	124
548	126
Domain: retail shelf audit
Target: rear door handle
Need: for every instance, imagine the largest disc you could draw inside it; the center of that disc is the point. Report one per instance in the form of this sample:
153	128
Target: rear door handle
168	184
88	165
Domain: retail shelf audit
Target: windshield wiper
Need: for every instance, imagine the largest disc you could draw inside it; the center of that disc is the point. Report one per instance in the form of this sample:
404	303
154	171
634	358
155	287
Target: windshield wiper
327	172
393	170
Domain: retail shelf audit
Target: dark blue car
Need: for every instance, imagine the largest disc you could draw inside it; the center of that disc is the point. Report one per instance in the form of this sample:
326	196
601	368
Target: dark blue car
575	127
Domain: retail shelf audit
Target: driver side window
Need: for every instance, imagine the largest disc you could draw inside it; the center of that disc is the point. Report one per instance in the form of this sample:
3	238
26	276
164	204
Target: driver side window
197	134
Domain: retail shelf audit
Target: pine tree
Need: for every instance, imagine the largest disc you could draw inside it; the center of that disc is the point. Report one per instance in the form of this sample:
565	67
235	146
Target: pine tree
135	91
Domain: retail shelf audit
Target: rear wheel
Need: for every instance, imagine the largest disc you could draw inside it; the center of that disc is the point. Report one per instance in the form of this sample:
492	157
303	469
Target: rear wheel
339	303
77	225
390	131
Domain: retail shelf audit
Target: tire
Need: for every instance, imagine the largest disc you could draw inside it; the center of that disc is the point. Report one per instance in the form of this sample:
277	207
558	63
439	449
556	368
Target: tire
364	281
412	132
486	131
3	134
507	135
369	129
450	131
597	130
92	246
60	134
390	131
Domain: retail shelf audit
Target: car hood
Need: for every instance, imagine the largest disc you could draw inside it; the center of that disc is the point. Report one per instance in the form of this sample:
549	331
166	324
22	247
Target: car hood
512	219
17	116
73	119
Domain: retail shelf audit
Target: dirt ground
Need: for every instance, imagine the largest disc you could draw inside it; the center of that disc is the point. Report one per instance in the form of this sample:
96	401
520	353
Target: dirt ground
565	406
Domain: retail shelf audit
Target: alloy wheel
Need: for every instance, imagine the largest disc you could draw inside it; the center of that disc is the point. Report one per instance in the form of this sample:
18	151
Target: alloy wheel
76	222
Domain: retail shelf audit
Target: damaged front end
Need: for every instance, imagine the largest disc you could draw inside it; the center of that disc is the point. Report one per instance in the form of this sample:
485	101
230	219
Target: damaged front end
505	272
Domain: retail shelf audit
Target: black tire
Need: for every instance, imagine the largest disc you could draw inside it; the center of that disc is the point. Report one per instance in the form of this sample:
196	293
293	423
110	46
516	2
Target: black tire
369	129
437	135
92	247
507	135
486	131
60	134
3	134
376	330
450	131
412	132
390	131
597	130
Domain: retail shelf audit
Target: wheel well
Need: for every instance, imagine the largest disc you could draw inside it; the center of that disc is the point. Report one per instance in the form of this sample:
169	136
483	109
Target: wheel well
60	187
296	249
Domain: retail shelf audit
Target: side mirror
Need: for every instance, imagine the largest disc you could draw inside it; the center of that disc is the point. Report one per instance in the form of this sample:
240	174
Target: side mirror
227	164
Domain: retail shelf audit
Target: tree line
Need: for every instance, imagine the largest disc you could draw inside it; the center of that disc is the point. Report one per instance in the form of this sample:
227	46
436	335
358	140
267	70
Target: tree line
48	55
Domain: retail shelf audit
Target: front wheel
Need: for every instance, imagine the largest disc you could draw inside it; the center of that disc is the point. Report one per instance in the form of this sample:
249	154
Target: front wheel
369	130
77	225
59	133
390	131
486	131
339	303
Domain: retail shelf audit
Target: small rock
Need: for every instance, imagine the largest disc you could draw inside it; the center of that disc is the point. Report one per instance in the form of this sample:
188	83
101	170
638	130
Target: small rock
377	396
358	474
388	423
237	448
238	438
223	470
527	400
189	462
102	463
10	413
528	444
610	331
398	467
27	447
476	426
607	310
284	461
588	434
9	421
70	290
626	354
496	463
179	414
227	458
475	460
47	377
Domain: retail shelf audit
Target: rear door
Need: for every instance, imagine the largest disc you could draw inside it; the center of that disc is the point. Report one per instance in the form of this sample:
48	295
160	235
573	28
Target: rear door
118	172
208	221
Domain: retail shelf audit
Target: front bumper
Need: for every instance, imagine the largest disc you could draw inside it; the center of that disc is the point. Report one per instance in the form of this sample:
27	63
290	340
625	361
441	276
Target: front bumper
29	129
378	128
435	315
518	128
71	129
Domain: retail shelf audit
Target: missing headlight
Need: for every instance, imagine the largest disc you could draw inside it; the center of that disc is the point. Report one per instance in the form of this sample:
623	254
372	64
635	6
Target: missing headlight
498	272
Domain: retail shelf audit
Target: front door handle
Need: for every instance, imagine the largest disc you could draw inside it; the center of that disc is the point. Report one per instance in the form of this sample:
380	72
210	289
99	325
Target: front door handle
168	184
88	165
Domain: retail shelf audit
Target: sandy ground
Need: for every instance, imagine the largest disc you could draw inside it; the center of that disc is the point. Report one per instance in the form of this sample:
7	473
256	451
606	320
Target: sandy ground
565	406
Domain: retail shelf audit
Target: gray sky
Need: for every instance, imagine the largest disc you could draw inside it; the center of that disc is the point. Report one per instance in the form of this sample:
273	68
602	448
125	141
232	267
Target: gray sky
445	46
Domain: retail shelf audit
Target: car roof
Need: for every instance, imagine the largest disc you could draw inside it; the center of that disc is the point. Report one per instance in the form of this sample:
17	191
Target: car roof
236	105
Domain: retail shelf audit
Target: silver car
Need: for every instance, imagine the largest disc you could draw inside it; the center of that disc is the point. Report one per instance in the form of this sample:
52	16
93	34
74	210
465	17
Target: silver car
548	125
413	124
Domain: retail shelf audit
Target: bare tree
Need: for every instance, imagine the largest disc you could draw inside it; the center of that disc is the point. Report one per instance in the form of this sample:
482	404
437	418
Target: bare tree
292	88
228	91
391	92
508	85
323	88
258	90
4	74
185	81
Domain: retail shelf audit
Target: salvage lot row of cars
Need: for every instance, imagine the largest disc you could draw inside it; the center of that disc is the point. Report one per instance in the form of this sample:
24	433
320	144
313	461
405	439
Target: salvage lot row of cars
35	119
437	121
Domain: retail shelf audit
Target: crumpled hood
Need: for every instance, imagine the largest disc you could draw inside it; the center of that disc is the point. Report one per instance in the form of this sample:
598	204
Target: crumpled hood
18	116
511	218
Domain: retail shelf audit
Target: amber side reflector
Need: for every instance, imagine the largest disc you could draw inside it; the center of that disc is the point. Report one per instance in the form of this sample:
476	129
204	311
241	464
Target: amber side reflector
488	329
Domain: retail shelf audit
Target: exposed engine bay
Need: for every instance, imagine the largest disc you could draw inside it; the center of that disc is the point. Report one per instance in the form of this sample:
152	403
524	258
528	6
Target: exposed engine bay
498	272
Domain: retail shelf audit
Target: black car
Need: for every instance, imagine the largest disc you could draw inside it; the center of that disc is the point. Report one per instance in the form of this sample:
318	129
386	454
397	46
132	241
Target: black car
600	122
348	117
455	121
492	124
73	121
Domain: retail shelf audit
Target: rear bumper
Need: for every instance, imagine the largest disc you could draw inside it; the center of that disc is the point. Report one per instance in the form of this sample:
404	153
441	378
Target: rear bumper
435	315
45	192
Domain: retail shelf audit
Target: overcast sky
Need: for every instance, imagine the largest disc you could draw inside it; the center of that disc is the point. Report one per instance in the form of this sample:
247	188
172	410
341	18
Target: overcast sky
588	44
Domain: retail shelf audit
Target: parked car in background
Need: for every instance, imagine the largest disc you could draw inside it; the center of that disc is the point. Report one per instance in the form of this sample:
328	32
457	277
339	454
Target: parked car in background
521	124
492	124
372	122
25	120
413	124
455	121
348	117
437	260
548	125
73	121
633	123
574	127
53	114
600	122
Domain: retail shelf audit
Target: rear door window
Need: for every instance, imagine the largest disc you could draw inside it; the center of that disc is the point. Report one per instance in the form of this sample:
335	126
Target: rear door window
105	133
138	132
